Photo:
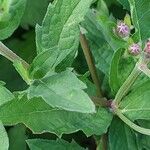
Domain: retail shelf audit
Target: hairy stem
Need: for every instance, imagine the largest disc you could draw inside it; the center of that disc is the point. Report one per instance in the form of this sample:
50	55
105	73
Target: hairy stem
90	62
131	124
92	69
127	84
7	53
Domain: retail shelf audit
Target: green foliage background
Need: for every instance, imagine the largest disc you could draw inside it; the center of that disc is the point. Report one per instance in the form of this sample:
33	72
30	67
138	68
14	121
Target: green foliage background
55	111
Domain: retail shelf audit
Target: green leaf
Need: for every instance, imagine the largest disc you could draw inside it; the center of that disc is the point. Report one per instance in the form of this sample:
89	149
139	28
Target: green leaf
103	42
113	78
136	104
121	67
121	137
59	144
140	13
5	95
100	48
38	9
64	91
40	117
144	140
4	142
61	33
91	88
17	132
43	63
125	4
102	7
11	13
58	38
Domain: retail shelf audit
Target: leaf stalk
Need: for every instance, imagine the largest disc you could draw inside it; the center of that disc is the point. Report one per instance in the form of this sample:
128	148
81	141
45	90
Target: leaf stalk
127	84
7	53
131	124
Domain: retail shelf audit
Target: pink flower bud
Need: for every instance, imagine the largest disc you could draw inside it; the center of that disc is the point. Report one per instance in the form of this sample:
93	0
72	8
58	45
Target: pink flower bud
123	30
147	47
134	49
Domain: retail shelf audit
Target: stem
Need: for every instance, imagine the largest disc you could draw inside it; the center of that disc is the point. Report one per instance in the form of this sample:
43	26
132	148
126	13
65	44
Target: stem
7	53
104	141
90	62
127	84
92	69
131	124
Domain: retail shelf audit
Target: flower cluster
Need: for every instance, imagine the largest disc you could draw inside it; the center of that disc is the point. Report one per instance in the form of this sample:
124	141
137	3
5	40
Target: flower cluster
123	31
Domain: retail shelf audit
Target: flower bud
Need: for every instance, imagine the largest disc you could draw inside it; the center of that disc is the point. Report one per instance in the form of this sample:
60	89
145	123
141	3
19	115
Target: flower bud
134	49
122	30
147	47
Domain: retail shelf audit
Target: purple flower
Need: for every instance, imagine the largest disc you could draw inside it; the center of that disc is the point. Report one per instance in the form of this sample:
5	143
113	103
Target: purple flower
134	49
123	30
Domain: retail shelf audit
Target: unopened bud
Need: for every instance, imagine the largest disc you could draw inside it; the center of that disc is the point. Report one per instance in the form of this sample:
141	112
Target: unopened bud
147	47
122	30
135	49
